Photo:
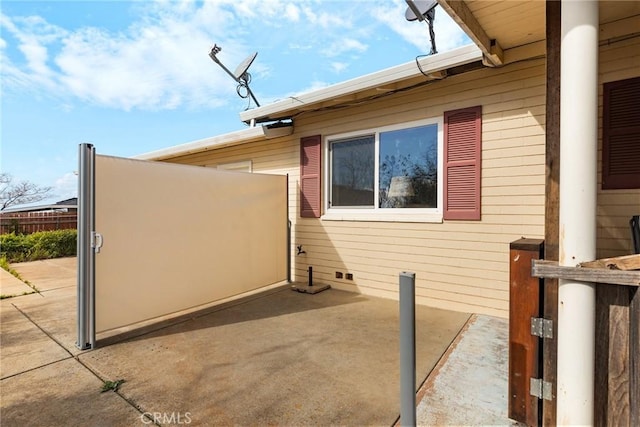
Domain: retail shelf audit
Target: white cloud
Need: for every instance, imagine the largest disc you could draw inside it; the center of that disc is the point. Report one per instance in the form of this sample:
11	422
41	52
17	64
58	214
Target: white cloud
338	67
160	60
448	33
292	12
313	86
33	35
342	46
299	46
66	186
325	20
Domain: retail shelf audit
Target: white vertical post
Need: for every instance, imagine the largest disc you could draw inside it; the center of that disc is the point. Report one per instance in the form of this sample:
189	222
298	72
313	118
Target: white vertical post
578	170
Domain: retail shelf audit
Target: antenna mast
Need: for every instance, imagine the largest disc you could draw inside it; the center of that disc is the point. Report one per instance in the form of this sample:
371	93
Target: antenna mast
423	10
241	75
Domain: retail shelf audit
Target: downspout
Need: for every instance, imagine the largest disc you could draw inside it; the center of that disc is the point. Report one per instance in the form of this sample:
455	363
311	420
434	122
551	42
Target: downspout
578	191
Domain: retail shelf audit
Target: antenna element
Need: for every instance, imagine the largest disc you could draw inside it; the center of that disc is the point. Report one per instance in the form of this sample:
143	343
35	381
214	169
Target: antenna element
423	10
241	75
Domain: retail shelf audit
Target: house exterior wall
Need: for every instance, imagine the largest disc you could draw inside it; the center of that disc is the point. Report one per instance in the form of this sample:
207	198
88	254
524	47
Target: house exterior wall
618	61
459	265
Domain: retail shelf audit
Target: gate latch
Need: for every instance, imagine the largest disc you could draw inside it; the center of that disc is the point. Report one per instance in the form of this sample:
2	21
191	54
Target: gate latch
96	241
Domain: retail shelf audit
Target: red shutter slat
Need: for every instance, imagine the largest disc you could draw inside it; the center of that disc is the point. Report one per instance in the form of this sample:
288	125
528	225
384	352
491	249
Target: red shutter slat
621	134
310	173
462	148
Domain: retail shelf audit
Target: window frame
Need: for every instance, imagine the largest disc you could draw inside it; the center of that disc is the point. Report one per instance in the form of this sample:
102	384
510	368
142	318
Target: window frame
376	213
609	179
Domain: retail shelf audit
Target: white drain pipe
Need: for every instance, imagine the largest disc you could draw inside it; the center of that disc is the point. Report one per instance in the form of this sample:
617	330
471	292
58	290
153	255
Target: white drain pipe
578	190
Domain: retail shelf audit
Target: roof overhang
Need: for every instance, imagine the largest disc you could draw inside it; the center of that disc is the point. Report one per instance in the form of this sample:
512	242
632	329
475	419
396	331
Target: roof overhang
49	207
353	91
510	30
422	70
251	134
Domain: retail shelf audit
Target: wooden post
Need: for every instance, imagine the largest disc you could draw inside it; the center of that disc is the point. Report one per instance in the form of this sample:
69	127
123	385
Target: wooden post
617	345
634	355
552	199
617	356
611	400
525	303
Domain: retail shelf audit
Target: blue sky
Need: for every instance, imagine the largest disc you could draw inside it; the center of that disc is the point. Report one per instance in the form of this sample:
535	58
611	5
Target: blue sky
132	77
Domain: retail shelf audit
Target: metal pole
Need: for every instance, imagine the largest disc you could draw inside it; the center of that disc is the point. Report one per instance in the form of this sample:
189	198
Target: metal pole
288	233
407	349
84	248
92	252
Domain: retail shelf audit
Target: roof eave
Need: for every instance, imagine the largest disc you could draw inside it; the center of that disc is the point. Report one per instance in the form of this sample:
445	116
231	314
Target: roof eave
243	136
427	65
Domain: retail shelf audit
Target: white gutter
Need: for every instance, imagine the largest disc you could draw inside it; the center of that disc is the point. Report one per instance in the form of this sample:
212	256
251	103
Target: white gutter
428	64
225	140
47	208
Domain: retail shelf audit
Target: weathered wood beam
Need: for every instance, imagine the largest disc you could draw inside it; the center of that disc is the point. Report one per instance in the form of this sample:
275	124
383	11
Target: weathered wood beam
626	262
460	13
634	352
551	269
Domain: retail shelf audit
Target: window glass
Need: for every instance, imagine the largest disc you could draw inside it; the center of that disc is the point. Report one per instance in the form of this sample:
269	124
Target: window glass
392	173
408	168
353	172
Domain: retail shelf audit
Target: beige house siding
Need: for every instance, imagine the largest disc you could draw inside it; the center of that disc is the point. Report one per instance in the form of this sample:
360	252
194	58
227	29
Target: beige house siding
460	265
618	61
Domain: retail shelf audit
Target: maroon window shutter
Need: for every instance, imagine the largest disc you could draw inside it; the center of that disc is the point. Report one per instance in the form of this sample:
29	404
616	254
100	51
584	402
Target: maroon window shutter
462	161
621	134
310	156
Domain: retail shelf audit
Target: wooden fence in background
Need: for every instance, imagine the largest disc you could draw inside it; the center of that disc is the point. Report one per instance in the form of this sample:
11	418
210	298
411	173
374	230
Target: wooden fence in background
30	222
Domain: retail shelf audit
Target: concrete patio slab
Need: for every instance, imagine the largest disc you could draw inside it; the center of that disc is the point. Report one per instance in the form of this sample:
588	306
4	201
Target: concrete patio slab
64	393
50	273
286	358
276	358
10	285
470	384
24	345
55	312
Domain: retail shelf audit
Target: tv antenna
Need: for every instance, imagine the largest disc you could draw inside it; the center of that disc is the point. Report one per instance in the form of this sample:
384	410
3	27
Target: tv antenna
240	75
422	10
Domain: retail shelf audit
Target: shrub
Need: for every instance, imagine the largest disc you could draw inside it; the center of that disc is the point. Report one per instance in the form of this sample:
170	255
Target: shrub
40	245
13	244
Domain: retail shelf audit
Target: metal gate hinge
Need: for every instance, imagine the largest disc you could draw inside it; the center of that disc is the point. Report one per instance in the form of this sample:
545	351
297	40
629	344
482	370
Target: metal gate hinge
542	328
540	389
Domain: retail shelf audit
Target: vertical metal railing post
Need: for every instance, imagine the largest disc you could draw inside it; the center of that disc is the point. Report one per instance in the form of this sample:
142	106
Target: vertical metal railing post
288	233
86	254
407	349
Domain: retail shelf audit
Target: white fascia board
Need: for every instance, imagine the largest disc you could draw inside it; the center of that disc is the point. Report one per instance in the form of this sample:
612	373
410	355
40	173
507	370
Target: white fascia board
429	64
53	207
224	140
